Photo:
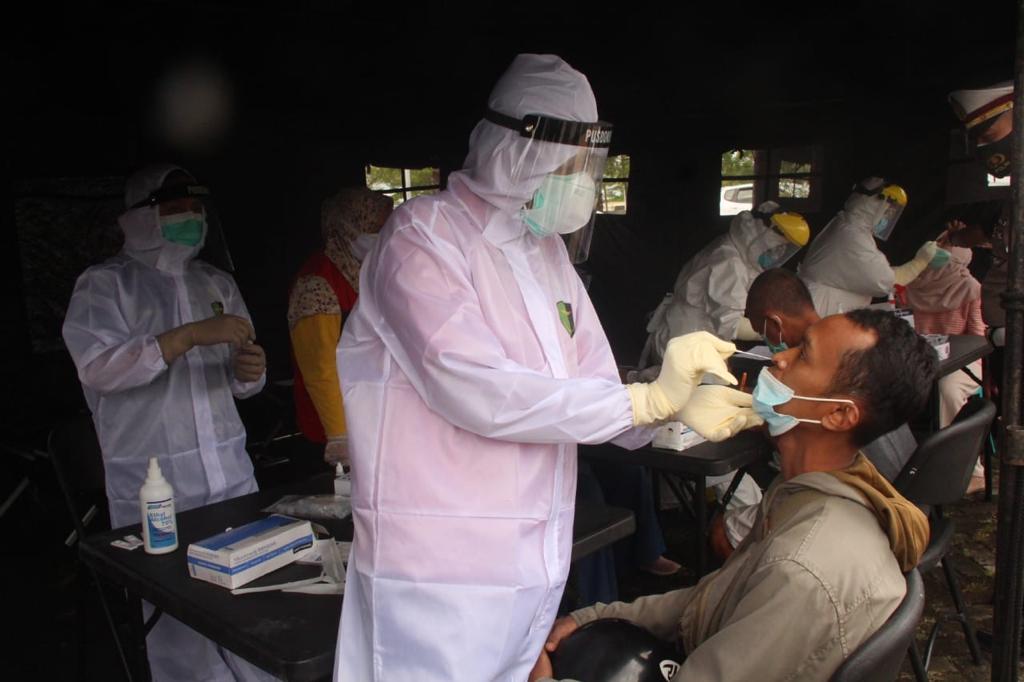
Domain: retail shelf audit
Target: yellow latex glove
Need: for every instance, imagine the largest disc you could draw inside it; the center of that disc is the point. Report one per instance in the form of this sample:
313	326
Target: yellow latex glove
908	272
719	412
687	359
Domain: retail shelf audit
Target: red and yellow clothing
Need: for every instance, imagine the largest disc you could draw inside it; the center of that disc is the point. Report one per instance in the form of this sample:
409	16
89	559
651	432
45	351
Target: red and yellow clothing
319	302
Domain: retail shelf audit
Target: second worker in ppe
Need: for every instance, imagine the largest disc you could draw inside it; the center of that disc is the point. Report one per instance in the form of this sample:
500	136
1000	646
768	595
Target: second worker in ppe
163	345
843	268
471	367
711	289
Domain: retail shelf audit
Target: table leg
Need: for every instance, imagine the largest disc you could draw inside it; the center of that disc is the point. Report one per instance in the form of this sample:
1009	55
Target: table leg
138	631
701	514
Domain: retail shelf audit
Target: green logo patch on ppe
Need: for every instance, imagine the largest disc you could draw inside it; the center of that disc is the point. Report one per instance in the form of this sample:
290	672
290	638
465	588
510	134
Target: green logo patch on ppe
565	315
218	308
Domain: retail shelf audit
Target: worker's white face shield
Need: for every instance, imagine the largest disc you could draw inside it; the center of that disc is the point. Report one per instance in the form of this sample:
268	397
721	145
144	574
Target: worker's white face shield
561	164
892	200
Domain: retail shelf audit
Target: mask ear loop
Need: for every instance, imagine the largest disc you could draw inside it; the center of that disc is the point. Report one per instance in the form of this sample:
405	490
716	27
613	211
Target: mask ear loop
819	400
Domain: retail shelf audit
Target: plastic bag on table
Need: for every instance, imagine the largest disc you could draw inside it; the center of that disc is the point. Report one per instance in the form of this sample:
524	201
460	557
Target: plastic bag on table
313	506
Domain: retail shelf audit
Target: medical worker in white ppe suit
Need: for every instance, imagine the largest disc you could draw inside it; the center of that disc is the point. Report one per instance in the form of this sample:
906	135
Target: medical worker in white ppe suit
844	269
471	367
163	343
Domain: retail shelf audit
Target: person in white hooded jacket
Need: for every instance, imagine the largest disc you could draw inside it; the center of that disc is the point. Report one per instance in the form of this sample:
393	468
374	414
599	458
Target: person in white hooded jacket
471	366
711	289
163	344
844	269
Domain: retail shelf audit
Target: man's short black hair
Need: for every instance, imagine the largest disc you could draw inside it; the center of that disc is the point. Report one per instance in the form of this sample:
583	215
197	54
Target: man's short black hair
779	289
892	378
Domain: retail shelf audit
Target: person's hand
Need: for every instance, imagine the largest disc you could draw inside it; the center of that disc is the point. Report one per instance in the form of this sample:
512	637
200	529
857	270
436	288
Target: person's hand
719	412
336	450
222	329
562	628
542	668
687	359
250	363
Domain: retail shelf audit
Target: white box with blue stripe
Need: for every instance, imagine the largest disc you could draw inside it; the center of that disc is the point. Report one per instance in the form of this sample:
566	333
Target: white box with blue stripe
240	555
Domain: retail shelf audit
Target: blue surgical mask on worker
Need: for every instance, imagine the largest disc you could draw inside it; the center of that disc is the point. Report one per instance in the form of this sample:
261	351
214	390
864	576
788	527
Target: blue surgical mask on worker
774	347
562	204
771	392
183	228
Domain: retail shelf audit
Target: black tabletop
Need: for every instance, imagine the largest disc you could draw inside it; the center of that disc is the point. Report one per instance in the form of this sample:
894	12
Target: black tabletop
963	350
290	635
706	459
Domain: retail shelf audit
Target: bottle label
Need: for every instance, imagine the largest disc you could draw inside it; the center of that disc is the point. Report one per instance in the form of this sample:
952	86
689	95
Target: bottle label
160	519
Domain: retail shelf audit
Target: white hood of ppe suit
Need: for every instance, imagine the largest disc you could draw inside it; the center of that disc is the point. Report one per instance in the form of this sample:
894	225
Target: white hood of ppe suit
505	169
143	239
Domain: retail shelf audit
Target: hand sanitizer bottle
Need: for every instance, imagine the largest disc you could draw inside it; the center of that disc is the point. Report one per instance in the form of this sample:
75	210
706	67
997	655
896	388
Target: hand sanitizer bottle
159	527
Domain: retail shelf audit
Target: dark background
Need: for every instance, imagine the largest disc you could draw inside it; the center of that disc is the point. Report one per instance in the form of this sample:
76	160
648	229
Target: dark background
320	89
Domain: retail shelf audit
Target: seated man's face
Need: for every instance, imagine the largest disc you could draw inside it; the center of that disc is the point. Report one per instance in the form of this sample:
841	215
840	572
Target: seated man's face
810	368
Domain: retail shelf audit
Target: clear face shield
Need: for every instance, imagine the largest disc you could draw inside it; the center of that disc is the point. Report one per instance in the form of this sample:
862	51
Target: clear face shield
558	172
786	233
894	200
188	218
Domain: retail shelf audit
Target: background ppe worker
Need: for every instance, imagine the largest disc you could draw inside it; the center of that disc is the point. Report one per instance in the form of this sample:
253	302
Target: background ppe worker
711	289
322	296
163	344
470	368
843	268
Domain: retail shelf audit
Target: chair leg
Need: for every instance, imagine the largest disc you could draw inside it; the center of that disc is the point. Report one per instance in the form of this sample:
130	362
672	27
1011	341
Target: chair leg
920	672
961	611
989	450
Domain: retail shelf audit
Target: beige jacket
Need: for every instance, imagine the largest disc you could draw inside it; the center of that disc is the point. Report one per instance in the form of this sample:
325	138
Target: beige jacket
817	575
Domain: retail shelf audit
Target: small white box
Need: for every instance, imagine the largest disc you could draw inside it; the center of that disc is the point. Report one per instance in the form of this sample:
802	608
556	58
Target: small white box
676	436
240	555
906	315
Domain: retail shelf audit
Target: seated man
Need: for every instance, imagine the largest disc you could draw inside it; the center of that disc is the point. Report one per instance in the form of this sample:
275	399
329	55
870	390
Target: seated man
822	568
780	308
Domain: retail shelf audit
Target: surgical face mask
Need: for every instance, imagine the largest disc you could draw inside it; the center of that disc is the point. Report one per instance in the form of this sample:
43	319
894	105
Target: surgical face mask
776	256
770	392
182	228
774	347
995	156
362	244
562	204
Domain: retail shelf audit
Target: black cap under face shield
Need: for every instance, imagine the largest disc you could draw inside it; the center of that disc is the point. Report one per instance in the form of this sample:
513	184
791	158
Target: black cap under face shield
174	192
563	164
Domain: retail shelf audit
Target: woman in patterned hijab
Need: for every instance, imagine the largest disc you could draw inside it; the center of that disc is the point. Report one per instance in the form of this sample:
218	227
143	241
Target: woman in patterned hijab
322	296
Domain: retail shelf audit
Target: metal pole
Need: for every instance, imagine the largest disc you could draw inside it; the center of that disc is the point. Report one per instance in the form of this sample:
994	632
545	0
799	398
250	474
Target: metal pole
1007	613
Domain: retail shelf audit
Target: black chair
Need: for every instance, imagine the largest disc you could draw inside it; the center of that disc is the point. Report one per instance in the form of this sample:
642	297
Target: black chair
879	657
78	463
938	474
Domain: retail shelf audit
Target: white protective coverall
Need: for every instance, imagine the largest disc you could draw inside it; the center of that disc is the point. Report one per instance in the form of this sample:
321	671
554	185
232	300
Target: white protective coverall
183	414
710	293
465	397
843	268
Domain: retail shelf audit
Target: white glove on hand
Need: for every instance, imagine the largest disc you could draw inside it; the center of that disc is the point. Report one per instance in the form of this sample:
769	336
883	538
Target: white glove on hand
719	412
336	450
908	272
687	359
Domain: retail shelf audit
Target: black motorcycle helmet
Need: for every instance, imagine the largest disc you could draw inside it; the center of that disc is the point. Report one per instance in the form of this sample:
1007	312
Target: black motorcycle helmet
614	650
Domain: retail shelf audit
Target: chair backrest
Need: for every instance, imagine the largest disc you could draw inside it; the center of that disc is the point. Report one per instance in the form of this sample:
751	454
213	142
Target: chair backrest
78	462
879	657
939	471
